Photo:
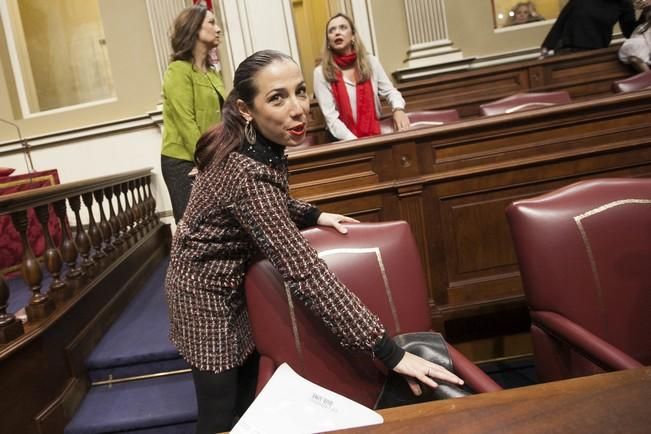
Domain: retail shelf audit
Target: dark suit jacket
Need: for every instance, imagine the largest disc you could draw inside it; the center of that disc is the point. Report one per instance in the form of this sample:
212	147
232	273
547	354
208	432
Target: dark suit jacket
588	24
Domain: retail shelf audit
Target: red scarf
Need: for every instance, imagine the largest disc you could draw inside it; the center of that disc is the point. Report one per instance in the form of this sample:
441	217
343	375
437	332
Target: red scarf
367	123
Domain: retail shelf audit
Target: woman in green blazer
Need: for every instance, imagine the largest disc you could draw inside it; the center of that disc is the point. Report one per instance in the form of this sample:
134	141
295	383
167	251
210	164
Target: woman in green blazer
193	91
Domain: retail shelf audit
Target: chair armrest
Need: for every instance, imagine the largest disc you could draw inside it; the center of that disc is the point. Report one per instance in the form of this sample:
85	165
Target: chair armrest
474	377
586	343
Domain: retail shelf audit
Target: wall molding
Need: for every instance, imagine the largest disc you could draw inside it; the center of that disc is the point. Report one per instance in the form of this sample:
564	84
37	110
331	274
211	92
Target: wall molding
152	119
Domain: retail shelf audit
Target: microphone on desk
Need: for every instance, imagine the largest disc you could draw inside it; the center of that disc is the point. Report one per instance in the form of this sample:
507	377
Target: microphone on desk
23	143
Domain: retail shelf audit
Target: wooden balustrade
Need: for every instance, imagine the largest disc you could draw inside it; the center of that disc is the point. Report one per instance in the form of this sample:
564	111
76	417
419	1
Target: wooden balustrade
86	254
72	305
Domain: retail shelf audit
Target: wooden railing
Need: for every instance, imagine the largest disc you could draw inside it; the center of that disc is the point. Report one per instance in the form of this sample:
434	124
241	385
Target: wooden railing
86	251
109	247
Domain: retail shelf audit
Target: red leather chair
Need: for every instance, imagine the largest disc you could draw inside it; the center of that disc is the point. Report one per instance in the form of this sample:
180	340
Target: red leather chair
380	263
524	101
585	261
637	82
422	119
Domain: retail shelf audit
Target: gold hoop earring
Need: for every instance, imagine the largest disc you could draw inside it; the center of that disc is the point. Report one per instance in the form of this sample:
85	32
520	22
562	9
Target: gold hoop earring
249	132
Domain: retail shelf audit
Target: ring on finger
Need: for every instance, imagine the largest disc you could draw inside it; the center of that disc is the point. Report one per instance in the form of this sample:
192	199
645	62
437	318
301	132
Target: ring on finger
428	370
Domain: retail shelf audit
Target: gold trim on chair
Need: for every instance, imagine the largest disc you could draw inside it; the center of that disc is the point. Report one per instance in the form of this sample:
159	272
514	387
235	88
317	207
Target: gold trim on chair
292	317
378	256
593	265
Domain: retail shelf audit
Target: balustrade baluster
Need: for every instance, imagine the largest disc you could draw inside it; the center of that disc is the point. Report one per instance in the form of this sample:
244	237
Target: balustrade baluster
10	327
145	204
81	239
122	217
68	248
128	211
58	290
113	220
40	305
94	232
152	201
135	208
104	226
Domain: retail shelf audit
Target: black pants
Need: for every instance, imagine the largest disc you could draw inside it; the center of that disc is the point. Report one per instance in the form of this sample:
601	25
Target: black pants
223	397
179	184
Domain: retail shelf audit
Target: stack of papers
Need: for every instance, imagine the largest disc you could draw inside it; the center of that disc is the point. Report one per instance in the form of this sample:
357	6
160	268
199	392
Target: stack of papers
291	404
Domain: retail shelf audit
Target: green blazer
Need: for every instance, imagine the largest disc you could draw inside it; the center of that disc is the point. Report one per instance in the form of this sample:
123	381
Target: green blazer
191	104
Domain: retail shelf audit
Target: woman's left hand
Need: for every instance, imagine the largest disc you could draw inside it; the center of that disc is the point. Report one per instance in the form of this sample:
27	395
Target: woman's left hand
400	120
416	369
334	221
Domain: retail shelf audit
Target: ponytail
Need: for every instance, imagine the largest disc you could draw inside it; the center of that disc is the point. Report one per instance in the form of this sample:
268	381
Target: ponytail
222	139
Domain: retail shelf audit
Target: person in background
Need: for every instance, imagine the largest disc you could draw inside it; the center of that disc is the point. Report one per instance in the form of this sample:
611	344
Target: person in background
348	82
587	25
636	50
240	207
522	13
192	94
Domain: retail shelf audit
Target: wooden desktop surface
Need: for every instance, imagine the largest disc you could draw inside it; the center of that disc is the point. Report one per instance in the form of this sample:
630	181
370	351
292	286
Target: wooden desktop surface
617	402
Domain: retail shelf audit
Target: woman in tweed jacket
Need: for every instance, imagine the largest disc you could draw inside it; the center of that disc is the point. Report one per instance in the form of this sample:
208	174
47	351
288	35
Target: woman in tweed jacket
240	205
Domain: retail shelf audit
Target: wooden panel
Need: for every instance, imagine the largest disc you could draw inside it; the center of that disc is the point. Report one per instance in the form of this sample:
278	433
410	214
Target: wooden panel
452	184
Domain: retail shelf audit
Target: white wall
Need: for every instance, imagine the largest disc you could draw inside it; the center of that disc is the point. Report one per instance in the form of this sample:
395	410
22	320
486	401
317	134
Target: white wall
109	154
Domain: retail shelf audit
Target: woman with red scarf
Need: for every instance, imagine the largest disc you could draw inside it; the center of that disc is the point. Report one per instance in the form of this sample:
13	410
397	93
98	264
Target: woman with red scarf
348	84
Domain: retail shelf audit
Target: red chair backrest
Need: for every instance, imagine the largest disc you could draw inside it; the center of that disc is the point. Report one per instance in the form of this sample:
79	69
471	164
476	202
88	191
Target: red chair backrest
377	261
637	82
585	253
524	101
422	119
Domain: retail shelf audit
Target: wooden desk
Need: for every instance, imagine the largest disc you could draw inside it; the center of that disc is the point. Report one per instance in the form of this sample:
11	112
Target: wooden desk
452	184
617	402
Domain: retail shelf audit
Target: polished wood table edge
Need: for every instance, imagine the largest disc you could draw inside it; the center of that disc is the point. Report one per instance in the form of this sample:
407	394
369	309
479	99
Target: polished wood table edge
612	402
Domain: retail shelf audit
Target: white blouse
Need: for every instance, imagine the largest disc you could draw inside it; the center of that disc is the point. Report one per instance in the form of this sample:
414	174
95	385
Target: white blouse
382	86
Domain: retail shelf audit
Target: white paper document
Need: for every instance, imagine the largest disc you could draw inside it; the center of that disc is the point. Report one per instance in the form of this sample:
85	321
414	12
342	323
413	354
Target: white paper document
291	404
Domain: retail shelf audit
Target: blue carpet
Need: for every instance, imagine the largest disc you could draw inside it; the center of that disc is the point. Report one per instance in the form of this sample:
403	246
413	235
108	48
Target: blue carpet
19	292
138	343
159	405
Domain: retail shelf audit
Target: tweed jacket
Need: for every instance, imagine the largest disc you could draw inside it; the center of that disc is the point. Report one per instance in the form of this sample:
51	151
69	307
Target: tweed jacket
237	208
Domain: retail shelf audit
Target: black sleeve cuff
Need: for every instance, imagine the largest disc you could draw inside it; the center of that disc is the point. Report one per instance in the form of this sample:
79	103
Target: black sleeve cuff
389	353
312	217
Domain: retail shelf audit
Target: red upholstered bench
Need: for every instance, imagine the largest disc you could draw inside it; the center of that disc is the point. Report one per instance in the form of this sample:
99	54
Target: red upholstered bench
11	249
524	101
631	84
421	119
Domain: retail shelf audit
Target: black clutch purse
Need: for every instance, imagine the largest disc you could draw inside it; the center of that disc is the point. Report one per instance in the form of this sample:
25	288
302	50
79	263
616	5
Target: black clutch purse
430	346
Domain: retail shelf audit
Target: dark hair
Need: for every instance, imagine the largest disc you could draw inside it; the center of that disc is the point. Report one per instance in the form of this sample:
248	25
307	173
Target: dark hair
362	65
185	33
225	137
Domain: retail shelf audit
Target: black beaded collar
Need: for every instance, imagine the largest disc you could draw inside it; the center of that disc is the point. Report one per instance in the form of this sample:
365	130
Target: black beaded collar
265	151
